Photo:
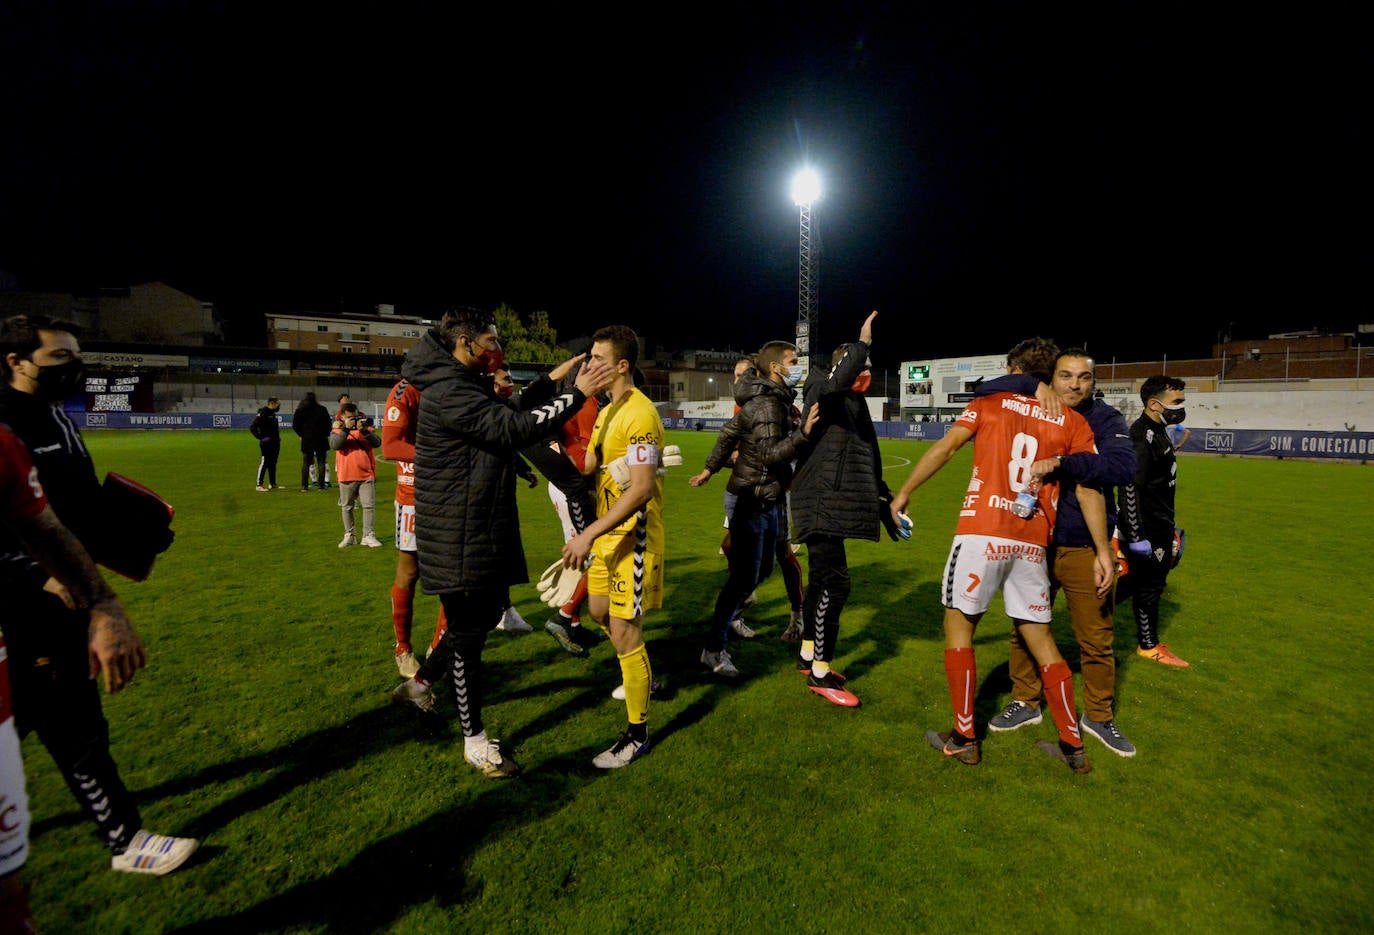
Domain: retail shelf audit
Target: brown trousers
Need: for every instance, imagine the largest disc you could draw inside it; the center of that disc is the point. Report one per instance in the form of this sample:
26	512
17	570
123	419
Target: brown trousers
1072	573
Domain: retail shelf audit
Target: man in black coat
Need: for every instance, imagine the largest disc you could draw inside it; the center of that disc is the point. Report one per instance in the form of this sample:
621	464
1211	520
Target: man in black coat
312	423
767	443
56	643
835	496
467	526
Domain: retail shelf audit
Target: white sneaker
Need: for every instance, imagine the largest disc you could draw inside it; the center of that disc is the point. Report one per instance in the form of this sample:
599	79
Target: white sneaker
154	853
618	693
719	662
412	692
262	489
621	753
752	599
371	541
407	664
742	629
794	627
512	622
488	759
347	540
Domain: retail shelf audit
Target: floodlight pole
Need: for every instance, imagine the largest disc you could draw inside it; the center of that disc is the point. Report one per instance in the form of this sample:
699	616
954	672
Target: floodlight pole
805	191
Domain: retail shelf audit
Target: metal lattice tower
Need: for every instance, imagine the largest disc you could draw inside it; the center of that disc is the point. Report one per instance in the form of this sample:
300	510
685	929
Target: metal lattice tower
807	292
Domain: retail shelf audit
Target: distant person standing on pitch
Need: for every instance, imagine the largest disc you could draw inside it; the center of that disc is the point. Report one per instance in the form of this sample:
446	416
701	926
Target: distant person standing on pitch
267	430
836	495
763	443
1146	511
355	468
312	423
467	522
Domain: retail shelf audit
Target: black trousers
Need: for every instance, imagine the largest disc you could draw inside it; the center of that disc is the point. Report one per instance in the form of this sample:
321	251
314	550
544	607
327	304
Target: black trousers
313	456
1147	576
271	449
827	591
54	698
471	616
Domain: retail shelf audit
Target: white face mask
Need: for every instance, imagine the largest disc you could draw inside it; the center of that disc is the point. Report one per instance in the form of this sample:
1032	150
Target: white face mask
793	376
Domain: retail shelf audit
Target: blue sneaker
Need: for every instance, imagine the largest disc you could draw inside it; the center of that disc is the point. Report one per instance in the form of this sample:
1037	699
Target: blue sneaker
1017	714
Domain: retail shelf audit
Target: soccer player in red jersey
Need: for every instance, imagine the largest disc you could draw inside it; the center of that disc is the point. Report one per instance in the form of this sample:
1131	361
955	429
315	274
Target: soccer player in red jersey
398	446
995	549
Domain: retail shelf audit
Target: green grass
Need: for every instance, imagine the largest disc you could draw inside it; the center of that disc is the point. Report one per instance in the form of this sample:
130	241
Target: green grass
262	726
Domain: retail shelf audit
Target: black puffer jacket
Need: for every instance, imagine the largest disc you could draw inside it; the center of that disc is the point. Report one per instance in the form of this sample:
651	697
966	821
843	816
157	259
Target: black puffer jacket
467	527
762	431
839	477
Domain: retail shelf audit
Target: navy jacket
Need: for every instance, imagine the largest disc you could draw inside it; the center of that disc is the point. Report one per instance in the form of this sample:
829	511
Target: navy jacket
1112	466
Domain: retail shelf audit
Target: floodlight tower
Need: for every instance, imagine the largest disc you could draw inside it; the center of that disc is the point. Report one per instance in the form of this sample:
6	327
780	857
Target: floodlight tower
806	189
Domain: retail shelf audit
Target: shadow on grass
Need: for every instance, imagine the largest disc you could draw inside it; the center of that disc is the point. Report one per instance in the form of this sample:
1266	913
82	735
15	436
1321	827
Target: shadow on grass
426	862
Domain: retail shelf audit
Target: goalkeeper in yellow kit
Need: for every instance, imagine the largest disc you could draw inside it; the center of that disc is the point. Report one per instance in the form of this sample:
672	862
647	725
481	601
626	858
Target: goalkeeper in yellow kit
626	542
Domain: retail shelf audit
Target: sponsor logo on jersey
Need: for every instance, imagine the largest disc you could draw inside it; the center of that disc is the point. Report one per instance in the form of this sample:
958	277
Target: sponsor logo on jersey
1006	551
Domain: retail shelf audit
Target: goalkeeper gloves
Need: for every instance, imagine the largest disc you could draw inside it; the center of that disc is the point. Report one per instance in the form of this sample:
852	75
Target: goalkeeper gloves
557	584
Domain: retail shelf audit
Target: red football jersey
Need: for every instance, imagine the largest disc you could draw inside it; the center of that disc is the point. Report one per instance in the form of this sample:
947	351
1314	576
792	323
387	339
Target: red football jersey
20	492
1011	433
398	437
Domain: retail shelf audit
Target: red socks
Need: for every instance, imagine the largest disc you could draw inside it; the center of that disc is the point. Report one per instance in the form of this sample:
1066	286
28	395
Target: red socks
402	612
961	672
1058	682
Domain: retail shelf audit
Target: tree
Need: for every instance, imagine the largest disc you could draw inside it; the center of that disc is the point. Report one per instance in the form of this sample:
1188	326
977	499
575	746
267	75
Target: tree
532	343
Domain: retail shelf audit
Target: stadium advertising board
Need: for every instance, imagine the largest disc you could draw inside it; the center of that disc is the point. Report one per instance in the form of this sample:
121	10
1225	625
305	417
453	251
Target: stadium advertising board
948	382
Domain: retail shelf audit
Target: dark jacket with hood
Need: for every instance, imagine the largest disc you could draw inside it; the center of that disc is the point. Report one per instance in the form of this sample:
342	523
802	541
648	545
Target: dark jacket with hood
313	424
467	527
762	431
839	478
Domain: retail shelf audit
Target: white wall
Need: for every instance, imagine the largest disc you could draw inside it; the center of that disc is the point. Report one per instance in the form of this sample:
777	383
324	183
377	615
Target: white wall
1310	410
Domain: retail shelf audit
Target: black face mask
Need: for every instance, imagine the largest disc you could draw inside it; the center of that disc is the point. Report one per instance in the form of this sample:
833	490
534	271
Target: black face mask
60	382
1172	415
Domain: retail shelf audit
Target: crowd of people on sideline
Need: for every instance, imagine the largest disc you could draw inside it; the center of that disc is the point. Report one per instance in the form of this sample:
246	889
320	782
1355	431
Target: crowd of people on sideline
1063	496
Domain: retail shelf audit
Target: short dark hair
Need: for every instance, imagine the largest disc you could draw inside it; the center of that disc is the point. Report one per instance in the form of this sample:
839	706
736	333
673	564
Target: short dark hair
19	335
1035	356
623	340
343	396
272	399
349	407
469	323
1157	385
772	353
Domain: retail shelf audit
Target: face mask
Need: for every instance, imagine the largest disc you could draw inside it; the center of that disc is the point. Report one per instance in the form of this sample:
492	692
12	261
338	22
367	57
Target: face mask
488	360
1172	415
793	376
60	382
862	382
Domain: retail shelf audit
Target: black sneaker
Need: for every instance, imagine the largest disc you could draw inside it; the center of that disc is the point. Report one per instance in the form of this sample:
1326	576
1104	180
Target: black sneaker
587	637
558	631
1072	757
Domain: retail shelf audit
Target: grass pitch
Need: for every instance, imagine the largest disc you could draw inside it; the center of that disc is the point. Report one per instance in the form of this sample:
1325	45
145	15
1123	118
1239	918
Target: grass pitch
262	726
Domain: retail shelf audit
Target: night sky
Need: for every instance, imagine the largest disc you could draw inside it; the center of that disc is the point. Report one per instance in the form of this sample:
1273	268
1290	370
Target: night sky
1137	177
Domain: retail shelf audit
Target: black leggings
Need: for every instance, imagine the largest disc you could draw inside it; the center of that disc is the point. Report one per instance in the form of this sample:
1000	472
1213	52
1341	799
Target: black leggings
471	616
827	590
